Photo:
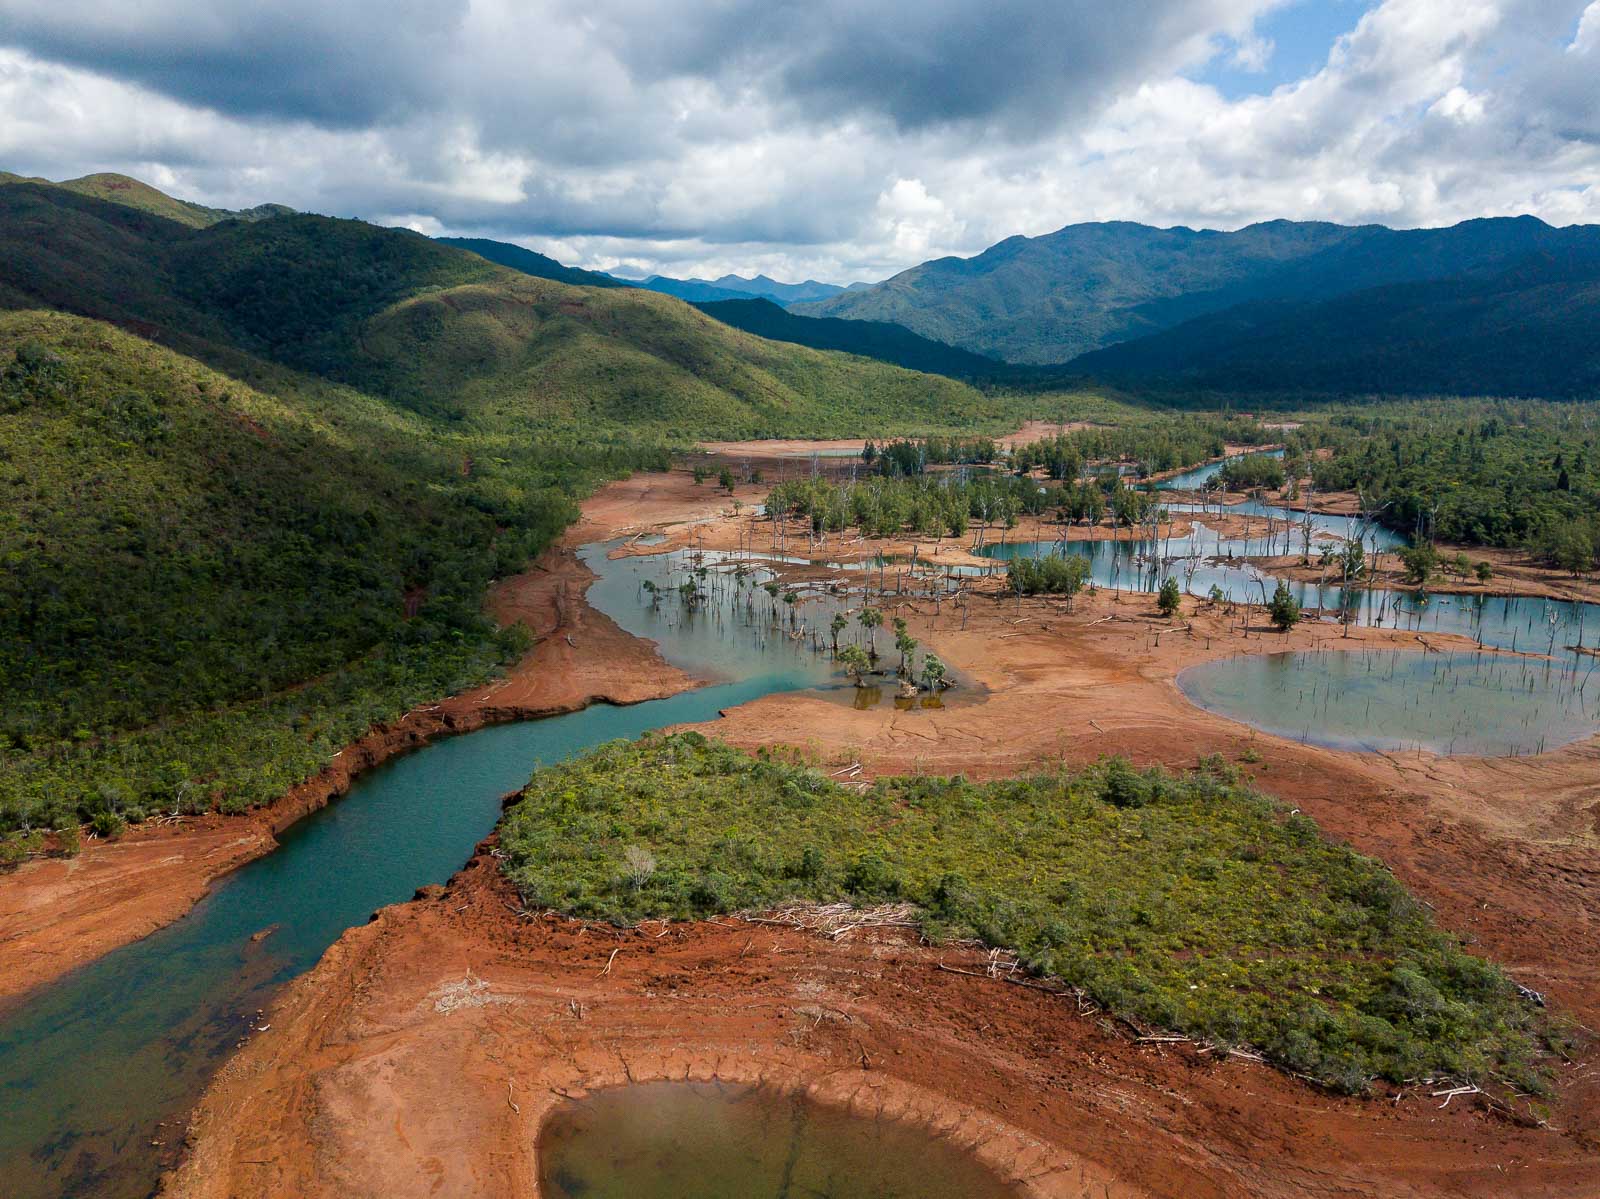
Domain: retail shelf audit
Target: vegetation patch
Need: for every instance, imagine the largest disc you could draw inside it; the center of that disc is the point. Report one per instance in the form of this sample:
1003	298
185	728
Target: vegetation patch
209	588
1188	902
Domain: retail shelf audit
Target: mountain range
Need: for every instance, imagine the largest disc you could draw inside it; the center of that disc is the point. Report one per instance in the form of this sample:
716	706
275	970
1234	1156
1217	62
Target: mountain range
737	287
1069	295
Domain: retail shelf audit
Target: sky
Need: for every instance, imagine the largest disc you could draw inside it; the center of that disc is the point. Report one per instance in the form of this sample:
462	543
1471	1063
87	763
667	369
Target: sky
816	138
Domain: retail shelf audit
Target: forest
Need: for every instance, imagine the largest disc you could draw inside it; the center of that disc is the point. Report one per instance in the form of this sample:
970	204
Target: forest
210	589
1490	473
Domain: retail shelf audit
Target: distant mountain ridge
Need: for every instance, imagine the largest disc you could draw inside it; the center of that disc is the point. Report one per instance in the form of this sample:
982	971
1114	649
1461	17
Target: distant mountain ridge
1532	329
737	287
1086	287
869	339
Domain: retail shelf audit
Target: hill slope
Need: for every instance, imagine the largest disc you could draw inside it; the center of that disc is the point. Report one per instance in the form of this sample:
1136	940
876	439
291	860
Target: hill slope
1533	330
212	587
870	339
1084	287
530	262
442	330
120	189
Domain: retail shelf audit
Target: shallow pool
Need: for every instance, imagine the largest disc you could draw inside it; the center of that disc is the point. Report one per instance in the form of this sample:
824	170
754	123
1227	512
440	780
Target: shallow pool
684	1140
1446	703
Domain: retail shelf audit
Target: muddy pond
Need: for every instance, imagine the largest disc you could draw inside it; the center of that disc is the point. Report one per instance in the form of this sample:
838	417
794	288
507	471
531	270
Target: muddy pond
685	1140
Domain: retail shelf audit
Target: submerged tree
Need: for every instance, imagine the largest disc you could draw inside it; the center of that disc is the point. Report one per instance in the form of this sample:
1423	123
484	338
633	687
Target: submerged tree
871	619
854	659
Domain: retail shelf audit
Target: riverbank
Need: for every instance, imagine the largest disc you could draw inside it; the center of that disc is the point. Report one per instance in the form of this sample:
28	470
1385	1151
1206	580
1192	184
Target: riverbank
420	1052
60	913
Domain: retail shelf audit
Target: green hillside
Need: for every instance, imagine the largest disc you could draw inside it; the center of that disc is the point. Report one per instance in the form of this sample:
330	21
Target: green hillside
211	587
445	331
120	189
1530	331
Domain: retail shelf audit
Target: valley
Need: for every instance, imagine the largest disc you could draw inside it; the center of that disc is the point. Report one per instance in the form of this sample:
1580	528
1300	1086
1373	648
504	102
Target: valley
475	724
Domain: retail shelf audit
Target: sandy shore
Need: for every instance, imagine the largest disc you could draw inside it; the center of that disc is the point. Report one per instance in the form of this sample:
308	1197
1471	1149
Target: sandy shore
418	1056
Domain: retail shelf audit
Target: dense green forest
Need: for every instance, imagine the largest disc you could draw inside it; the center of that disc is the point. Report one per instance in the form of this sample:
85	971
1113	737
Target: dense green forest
944	505
209	588
1187	902
1488	473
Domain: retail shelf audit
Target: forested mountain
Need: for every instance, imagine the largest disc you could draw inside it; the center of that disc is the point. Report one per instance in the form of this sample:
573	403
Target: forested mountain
1085	287
439	329
1533	330
255	476
530	262
737	287
870	339
120	189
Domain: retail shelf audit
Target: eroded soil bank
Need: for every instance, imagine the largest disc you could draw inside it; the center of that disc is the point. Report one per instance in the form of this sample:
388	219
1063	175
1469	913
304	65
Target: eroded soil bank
417	1057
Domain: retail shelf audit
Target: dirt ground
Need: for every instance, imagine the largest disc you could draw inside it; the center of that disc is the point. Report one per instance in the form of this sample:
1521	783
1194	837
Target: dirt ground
419	1055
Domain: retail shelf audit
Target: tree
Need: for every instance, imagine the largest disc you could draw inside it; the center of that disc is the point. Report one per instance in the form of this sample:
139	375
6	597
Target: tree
905	643
837	626
932	672
1421	562
725	478
871	618
1169	598
1284	608
854	659
700	473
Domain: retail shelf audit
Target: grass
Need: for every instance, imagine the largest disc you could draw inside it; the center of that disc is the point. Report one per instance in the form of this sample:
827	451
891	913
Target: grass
1190	903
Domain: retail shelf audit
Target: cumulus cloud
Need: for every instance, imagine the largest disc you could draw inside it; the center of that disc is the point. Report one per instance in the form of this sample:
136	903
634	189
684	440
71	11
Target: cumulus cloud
830	138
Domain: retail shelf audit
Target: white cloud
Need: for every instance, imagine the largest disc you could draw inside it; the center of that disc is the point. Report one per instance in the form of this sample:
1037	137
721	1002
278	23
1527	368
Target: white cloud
836	140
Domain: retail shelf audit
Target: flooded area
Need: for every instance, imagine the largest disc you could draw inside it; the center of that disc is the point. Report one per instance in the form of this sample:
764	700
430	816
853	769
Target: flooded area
1386	700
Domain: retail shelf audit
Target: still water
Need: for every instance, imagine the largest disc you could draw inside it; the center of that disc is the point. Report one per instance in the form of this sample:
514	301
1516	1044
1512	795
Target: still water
1455	703
684	1140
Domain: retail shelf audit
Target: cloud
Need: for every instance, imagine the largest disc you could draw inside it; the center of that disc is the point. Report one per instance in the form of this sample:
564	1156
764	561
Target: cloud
831	139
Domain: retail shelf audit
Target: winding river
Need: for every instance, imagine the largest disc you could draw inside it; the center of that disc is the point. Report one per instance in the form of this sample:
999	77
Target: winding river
99	1071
